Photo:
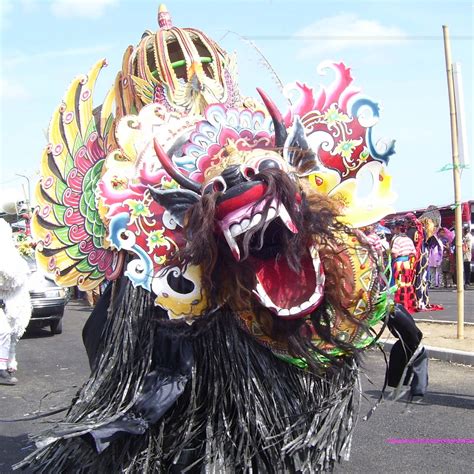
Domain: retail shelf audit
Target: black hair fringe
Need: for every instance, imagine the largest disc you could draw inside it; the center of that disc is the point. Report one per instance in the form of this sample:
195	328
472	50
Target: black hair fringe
242	410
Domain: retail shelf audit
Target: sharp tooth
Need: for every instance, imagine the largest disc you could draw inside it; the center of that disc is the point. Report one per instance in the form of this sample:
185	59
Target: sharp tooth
320	279
271	213
318	270
283	312
245	223
268	302
314	298
305	305
295	310
259	292
316	266
235	230
256	220
232	244
286	219
264	299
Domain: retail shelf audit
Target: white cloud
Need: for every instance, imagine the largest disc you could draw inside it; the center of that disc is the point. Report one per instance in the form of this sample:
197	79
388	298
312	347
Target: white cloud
333	34
12	90
7	7
81	8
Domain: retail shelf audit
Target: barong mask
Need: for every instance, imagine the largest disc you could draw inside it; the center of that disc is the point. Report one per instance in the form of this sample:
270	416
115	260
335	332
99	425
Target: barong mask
244	225
223	203
246	292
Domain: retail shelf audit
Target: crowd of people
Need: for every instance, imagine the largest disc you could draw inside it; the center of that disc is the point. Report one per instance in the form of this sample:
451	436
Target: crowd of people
420	255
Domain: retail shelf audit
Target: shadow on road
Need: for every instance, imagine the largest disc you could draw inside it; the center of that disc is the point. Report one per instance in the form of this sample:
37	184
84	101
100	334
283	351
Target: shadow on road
84	309
80	305
444	399
37	332
13	450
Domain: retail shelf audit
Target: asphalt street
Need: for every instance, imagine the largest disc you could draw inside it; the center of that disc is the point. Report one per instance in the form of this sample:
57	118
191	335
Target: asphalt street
448	299
52	368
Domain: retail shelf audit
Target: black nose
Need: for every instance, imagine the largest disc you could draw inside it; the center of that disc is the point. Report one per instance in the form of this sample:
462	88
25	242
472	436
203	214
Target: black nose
233	176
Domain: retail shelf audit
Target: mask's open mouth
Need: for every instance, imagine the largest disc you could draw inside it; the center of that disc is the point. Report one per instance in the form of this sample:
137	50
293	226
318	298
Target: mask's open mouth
283	291
287	293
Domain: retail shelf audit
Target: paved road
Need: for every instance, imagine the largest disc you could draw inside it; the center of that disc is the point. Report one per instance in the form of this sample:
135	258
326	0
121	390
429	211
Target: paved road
53	367
51	370
448	298
446	412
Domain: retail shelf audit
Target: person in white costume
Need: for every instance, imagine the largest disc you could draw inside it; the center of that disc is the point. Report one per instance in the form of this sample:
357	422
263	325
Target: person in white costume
15	309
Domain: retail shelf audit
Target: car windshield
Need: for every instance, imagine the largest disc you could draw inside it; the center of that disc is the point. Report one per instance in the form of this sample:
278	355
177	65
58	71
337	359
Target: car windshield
37	278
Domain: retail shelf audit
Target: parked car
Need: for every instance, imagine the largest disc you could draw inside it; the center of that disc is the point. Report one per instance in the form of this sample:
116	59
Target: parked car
47	299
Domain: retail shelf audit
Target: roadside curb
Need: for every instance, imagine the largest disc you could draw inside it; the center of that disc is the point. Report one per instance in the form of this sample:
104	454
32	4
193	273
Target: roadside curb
448	355
441	321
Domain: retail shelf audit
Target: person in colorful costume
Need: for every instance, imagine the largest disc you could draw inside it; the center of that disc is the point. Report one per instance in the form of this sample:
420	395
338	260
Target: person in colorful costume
416	233
403	262
242	288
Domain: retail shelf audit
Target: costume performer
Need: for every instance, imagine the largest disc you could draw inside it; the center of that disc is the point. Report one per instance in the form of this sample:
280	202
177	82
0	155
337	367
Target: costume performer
431	222
242	290
416	233
467	254
403	262
16	307
435	256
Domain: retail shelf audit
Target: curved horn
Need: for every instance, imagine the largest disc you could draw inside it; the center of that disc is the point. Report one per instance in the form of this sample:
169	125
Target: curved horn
173	171
278	122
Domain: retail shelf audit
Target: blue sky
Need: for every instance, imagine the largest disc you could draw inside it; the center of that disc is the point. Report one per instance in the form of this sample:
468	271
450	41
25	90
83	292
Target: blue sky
395	50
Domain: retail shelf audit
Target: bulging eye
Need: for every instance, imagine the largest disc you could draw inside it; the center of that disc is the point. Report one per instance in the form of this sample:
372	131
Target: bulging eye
268	163
216	185
219	185
248	172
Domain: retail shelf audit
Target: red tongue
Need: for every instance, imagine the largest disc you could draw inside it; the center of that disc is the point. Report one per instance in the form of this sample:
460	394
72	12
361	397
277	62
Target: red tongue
285	287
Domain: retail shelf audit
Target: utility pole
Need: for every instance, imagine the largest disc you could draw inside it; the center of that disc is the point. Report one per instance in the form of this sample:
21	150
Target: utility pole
457	186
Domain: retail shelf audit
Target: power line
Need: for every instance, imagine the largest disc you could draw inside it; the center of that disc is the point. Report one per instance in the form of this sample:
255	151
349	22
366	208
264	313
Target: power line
355	37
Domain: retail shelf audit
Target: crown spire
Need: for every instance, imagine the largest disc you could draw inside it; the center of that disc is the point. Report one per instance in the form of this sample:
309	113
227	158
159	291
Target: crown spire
164	17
